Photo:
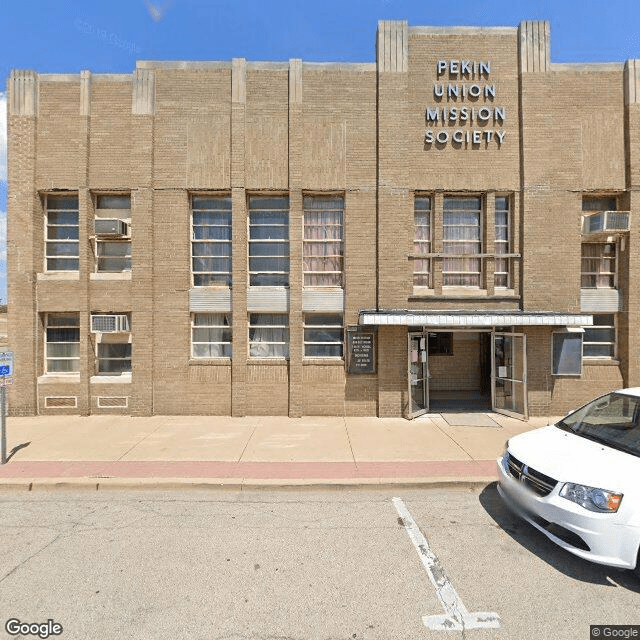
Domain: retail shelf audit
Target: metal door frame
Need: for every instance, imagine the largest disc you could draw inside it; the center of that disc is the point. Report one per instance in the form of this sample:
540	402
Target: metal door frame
523	382
422	335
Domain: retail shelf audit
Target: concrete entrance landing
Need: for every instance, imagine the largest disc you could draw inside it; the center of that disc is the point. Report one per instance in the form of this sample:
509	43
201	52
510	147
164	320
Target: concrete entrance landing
469	420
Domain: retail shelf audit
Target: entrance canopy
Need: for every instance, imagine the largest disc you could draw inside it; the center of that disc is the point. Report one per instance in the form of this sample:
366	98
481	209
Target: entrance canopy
473	319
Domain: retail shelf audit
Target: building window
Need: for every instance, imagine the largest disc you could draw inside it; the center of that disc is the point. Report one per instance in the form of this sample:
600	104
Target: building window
114	357
113	236
269	241
211	335
62	244
322	246
502	232
462	237
599	203
62	342
268	335
440	344
598	265
600	339
211	241
566	352
422	242
323	335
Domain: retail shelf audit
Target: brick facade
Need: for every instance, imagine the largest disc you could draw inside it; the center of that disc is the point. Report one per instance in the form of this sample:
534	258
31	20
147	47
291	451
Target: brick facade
539	134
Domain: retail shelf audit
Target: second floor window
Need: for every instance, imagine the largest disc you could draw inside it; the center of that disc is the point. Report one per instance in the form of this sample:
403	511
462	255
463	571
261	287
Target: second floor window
62	244
502	270
113	237
598	265
211	241
422	242
269	241
323	241
462	236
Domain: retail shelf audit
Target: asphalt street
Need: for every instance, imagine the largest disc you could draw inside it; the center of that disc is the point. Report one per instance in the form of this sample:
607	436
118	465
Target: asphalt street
267	565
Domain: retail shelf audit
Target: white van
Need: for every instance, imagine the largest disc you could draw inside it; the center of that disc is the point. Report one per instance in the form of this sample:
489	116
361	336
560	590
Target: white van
578	481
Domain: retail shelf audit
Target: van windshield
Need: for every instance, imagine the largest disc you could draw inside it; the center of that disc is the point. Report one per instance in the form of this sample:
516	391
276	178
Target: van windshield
612	420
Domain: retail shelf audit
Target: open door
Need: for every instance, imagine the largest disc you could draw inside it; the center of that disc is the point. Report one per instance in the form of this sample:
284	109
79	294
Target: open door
418	375
509	374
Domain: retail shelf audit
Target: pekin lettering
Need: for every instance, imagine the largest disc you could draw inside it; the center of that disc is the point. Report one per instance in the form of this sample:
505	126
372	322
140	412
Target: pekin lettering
468	82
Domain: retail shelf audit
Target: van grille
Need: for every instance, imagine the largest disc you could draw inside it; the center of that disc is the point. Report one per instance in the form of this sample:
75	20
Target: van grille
539	483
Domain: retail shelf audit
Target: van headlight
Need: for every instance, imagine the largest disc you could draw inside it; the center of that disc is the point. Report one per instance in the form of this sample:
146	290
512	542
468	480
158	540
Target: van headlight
592	498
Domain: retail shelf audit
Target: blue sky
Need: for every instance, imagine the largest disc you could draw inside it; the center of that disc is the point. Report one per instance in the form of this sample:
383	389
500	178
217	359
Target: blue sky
58	36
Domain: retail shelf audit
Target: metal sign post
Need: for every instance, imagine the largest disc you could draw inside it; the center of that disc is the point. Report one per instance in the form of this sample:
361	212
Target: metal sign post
6	378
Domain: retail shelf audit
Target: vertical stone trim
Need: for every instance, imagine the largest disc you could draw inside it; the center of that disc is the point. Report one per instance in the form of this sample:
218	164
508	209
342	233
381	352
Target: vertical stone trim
631	311
535	46
239	81
85	93
239	252
143	243
515	244
240	319
295	81
632	82
437	246
25	241
296	223
23	93
296	338
392	46
86	262
144	92
488	241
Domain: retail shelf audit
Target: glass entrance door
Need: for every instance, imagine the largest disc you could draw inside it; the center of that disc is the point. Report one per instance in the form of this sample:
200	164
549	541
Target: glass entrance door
418	375
509	374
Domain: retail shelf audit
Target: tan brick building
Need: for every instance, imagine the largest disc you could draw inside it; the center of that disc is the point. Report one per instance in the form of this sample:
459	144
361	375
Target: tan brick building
449	224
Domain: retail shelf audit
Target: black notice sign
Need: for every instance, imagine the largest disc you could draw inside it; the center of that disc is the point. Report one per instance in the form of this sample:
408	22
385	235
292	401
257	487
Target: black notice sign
362	351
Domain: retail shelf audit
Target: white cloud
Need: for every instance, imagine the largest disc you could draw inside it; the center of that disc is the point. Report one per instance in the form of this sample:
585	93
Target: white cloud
3	137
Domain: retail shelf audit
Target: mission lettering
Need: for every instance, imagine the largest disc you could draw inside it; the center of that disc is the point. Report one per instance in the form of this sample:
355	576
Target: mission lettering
469	119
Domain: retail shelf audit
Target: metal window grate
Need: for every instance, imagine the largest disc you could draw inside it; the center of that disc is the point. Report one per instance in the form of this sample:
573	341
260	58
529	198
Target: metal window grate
113	402
61	402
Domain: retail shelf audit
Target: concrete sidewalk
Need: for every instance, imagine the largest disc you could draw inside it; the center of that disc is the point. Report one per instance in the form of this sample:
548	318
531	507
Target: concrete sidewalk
162	451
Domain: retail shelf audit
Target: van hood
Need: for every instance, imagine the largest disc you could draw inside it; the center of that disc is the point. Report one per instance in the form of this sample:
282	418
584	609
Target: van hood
567	457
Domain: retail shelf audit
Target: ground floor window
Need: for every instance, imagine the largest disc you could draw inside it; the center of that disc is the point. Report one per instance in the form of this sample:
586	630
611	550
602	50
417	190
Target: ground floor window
62	337
323	335
114	357
268	335
211	335
600	339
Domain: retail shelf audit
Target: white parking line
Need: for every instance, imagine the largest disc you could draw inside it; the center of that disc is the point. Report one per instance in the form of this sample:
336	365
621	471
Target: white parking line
457	617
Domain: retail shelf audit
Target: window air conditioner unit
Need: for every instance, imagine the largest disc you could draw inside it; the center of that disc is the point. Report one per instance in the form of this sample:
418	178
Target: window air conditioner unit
111	227
605	223
111	323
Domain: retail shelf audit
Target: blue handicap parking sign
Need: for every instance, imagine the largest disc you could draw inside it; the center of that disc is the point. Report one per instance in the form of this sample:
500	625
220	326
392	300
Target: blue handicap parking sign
5	370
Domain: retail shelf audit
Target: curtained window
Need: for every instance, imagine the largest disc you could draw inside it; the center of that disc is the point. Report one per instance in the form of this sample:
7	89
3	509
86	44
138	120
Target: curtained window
268	335
502	270
211	335
598	265
322	245
422	242
462	237
211	241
